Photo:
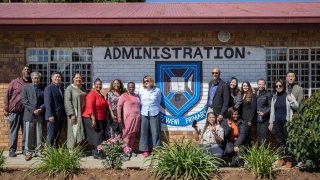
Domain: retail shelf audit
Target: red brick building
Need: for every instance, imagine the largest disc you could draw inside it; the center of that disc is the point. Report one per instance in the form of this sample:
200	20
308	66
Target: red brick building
128	41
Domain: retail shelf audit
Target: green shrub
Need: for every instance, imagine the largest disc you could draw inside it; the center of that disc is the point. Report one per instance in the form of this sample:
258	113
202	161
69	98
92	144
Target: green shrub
259	159
183	160
304	132
2	160
58	161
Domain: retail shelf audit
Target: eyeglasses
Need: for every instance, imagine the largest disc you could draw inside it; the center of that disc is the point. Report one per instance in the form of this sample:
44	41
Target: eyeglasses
145	81
214	72
279	86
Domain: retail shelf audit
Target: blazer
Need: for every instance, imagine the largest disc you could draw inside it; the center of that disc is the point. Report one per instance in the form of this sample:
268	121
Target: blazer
31	102
220	101
54	102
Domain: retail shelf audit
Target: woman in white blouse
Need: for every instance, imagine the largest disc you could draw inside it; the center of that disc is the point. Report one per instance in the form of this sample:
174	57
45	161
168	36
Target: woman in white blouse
150	97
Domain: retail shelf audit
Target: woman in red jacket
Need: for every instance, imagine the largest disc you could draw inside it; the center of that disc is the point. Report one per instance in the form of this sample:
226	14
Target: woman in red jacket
94	117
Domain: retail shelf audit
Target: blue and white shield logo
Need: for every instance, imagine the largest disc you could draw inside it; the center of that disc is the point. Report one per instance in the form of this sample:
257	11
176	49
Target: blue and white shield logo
180	84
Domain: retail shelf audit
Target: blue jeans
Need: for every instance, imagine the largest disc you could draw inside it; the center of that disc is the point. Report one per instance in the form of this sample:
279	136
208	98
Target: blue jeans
153	124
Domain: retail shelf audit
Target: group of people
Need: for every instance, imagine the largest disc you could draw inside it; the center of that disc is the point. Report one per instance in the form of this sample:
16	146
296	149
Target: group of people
93	117
90	116
232	111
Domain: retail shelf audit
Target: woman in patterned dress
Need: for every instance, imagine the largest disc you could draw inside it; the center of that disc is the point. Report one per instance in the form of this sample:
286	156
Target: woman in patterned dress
115	91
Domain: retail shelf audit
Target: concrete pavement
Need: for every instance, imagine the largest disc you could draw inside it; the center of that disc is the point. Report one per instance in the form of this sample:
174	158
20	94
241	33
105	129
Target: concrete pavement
87	162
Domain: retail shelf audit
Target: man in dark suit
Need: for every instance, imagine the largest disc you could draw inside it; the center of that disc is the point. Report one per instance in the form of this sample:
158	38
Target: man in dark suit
55	112
32	99
218	95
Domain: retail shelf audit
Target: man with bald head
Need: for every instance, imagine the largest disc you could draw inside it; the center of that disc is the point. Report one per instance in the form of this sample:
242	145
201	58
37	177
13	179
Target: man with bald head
218	95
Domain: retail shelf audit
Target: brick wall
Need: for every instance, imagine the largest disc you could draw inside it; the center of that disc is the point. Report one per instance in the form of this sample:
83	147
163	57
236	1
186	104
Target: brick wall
13	49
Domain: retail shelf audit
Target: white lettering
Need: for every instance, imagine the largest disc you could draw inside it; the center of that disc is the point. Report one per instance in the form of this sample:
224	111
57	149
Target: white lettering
173	121
196	117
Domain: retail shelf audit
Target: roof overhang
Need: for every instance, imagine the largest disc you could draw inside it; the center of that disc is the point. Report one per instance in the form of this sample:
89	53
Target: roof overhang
153	16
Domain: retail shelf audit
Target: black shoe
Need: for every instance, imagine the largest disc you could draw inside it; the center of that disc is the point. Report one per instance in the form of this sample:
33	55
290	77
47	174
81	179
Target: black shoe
94	153
95	156
98	155
234	162
12	154
126	158
28	157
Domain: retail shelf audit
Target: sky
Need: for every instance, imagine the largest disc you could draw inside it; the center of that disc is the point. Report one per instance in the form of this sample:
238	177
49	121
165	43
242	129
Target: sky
232	0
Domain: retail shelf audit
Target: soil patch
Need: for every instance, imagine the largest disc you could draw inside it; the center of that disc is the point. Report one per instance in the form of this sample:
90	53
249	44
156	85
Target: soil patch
128	174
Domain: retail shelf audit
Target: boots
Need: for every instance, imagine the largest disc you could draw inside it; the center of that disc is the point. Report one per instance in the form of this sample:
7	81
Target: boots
280	163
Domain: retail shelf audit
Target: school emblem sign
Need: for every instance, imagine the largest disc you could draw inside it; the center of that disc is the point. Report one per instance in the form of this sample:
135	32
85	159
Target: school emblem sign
180	84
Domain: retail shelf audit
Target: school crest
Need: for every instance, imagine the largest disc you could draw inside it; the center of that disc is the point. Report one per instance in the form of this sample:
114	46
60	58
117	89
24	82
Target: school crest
180	84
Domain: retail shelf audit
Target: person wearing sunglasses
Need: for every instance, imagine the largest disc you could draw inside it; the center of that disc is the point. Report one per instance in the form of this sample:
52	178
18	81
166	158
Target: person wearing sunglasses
218	95
281	111
150	97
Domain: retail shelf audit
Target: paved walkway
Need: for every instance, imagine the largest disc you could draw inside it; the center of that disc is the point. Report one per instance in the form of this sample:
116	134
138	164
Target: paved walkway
86	162
89	162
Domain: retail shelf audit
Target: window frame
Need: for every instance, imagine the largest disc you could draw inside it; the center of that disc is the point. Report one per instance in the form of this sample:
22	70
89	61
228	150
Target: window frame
69	69
309	89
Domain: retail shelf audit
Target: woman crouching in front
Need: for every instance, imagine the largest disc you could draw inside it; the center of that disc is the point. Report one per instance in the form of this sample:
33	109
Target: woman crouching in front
235	135
211	135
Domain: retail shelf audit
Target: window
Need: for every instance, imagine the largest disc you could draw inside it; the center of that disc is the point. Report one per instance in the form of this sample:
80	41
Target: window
65	60
304	61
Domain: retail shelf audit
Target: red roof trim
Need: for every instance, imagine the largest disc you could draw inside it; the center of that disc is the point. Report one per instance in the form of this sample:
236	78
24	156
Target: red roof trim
158	13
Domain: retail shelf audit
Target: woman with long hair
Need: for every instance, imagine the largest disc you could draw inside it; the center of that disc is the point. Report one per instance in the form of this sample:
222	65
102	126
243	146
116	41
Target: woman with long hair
249	106
115	91
235	100
212	135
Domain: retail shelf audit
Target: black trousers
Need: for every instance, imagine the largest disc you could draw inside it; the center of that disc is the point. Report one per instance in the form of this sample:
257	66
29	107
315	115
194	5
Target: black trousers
281	135
263	132
229	149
